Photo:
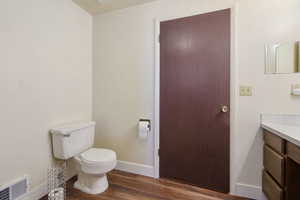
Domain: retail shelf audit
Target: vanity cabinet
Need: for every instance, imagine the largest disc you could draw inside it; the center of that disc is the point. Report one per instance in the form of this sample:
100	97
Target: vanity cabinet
293	152
281	174
272	190
274	164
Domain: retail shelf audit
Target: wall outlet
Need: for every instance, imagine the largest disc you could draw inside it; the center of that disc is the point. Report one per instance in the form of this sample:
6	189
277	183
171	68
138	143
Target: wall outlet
245	91
296	89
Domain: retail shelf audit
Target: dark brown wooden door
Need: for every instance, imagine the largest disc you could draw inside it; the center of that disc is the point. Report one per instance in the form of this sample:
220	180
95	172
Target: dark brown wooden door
194	85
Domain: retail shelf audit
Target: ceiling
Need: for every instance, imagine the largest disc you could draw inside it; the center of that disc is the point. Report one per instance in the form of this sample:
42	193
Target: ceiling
102	6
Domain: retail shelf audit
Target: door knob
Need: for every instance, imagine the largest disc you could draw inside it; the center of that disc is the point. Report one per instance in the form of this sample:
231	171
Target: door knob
224	109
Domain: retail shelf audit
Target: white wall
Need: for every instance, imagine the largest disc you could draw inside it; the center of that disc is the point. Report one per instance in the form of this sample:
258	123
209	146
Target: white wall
124	76
45	80
261	22
124	72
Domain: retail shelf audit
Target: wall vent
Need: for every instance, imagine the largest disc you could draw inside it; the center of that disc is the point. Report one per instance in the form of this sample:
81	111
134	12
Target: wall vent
14	190
5	194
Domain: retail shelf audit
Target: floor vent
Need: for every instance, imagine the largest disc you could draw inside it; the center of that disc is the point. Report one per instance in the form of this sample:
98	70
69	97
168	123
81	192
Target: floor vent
14	190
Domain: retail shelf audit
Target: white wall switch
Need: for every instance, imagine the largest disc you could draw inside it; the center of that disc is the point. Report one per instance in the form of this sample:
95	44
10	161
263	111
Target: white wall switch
245	91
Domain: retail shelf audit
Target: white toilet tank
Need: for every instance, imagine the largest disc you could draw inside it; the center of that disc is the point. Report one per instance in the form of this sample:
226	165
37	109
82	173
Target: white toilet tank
71	139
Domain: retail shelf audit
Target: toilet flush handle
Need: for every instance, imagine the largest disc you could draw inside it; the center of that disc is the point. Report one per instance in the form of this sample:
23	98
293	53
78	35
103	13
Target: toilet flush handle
67	135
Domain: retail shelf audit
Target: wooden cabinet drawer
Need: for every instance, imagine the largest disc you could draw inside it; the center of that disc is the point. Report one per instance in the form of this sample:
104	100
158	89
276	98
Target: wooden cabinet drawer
274	142
274	164
293	152
270	188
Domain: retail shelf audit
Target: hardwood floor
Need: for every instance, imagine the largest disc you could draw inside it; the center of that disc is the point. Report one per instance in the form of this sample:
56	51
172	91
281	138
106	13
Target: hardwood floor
125	186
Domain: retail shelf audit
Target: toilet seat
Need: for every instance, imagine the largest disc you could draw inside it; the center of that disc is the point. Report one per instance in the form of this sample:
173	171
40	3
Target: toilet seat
96	161
96	156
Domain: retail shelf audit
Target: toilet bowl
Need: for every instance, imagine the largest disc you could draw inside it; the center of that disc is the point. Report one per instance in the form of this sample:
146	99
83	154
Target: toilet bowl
75	141
92	166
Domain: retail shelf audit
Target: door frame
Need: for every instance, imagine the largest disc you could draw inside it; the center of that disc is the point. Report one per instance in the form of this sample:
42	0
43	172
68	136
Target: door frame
233	92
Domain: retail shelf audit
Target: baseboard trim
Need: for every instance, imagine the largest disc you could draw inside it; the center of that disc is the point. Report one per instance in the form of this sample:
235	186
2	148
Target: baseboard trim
135	168
250	191
36	193
39	191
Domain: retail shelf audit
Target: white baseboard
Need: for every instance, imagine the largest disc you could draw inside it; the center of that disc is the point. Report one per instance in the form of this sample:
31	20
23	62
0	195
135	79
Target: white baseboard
36	193
39	191
250	191
135	168
245	190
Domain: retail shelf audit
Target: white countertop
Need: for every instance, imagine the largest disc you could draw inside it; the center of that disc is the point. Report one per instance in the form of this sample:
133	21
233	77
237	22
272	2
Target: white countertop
285	126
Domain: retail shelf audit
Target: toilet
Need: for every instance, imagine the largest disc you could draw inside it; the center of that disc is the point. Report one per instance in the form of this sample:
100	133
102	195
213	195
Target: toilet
75	141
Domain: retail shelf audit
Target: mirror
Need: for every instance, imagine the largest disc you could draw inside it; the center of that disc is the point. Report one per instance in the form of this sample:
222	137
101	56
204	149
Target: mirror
283	58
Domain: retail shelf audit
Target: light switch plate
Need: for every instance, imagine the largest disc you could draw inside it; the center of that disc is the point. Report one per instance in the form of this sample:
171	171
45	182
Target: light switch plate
245	91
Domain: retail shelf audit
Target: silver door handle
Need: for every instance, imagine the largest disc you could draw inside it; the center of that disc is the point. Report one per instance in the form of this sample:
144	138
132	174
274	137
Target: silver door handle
224	109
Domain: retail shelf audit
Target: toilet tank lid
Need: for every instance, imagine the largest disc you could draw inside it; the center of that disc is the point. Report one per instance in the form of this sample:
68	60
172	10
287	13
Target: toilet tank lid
67	129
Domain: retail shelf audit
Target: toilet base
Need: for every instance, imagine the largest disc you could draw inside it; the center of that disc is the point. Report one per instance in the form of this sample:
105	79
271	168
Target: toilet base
91	183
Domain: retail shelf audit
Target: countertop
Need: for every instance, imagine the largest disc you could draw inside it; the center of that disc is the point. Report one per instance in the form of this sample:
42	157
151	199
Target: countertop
284	126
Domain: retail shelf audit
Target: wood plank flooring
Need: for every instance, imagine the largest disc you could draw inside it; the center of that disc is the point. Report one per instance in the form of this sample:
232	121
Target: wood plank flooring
126	186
